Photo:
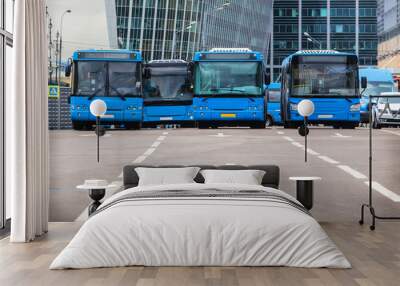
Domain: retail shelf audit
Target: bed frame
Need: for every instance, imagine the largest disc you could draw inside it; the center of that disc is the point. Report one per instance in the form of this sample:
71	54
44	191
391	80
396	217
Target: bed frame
270	179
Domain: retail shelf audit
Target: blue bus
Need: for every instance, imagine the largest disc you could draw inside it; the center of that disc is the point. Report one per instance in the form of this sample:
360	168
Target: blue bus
274	104
329	79
229	88
379	80
114	76
167	93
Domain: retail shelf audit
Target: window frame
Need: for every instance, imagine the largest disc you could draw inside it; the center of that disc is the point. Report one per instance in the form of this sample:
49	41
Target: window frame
6	40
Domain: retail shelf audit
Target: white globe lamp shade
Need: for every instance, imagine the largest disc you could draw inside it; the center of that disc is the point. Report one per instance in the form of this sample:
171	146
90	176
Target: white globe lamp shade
98	107
305	108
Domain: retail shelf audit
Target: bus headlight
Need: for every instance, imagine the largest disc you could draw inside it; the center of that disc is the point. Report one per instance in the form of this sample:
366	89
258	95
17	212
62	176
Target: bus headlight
131	107
293	107
355	107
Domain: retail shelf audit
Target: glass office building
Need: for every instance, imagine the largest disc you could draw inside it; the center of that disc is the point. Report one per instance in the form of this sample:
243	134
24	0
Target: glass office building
238	24
343	25
162	29
389	34
166	29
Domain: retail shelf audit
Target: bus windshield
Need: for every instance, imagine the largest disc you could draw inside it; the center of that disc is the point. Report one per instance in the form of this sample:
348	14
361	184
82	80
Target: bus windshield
229	78
377	87
167	84
91	78
122	77
324	76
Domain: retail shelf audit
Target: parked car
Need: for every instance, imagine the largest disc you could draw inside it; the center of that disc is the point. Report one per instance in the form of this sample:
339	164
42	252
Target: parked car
386	112
379	80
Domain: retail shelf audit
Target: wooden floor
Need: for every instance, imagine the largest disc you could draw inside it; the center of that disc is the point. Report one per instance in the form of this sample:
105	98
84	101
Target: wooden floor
375	257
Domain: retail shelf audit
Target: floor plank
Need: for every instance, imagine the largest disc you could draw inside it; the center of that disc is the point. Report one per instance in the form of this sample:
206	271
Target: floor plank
375	257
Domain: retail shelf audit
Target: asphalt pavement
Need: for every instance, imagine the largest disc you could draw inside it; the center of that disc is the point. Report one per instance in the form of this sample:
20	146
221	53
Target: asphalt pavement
339	157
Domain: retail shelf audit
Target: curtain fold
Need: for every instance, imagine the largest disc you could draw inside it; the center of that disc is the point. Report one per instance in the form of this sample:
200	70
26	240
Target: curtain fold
27	124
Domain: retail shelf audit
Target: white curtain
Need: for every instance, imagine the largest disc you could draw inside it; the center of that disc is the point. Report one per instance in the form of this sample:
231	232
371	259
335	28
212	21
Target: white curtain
27	172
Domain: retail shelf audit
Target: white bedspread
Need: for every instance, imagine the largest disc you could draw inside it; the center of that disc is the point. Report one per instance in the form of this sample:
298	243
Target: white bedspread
206	231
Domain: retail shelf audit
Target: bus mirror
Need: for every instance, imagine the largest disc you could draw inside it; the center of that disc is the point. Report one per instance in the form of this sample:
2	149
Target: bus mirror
364	82
191	67
68	68
147	73
267	79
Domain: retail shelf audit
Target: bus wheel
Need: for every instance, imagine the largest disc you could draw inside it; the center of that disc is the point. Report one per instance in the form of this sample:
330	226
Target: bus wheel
269	121
133	126
350	126
290	125
78	125
202	125
258	125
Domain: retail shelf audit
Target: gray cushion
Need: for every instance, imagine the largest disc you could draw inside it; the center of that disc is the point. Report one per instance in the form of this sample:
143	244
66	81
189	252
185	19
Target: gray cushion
270	179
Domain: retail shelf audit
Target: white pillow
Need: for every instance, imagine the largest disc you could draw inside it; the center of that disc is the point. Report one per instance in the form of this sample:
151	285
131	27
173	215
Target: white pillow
166	176
248	177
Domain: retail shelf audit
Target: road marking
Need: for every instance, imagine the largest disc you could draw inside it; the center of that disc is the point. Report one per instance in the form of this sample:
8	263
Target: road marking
384	191
312	152
297	144
341	135
94	135
280	132
220	134
391	132
149	151
327	159
140	159
356	174
230	164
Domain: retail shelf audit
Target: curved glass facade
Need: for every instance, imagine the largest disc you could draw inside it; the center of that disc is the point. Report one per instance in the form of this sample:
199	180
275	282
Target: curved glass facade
238	24
161	29
167	29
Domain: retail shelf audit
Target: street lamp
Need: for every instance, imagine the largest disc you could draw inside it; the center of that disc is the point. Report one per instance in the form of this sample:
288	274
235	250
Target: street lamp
60	44
312	40
98	108
59	67
306	109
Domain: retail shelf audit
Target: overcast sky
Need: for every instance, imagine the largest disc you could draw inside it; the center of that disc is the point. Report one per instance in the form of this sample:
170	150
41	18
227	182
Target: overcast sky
85	27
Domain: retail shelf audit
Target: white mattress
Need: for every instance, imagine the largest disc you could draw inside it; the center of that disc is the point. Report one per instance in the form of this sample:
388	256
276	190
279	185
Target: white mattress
200	232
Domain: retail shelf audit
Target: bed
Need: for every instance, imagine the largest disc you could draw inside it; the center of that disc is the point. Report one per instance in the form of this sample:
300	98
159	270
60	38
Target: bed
201	224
